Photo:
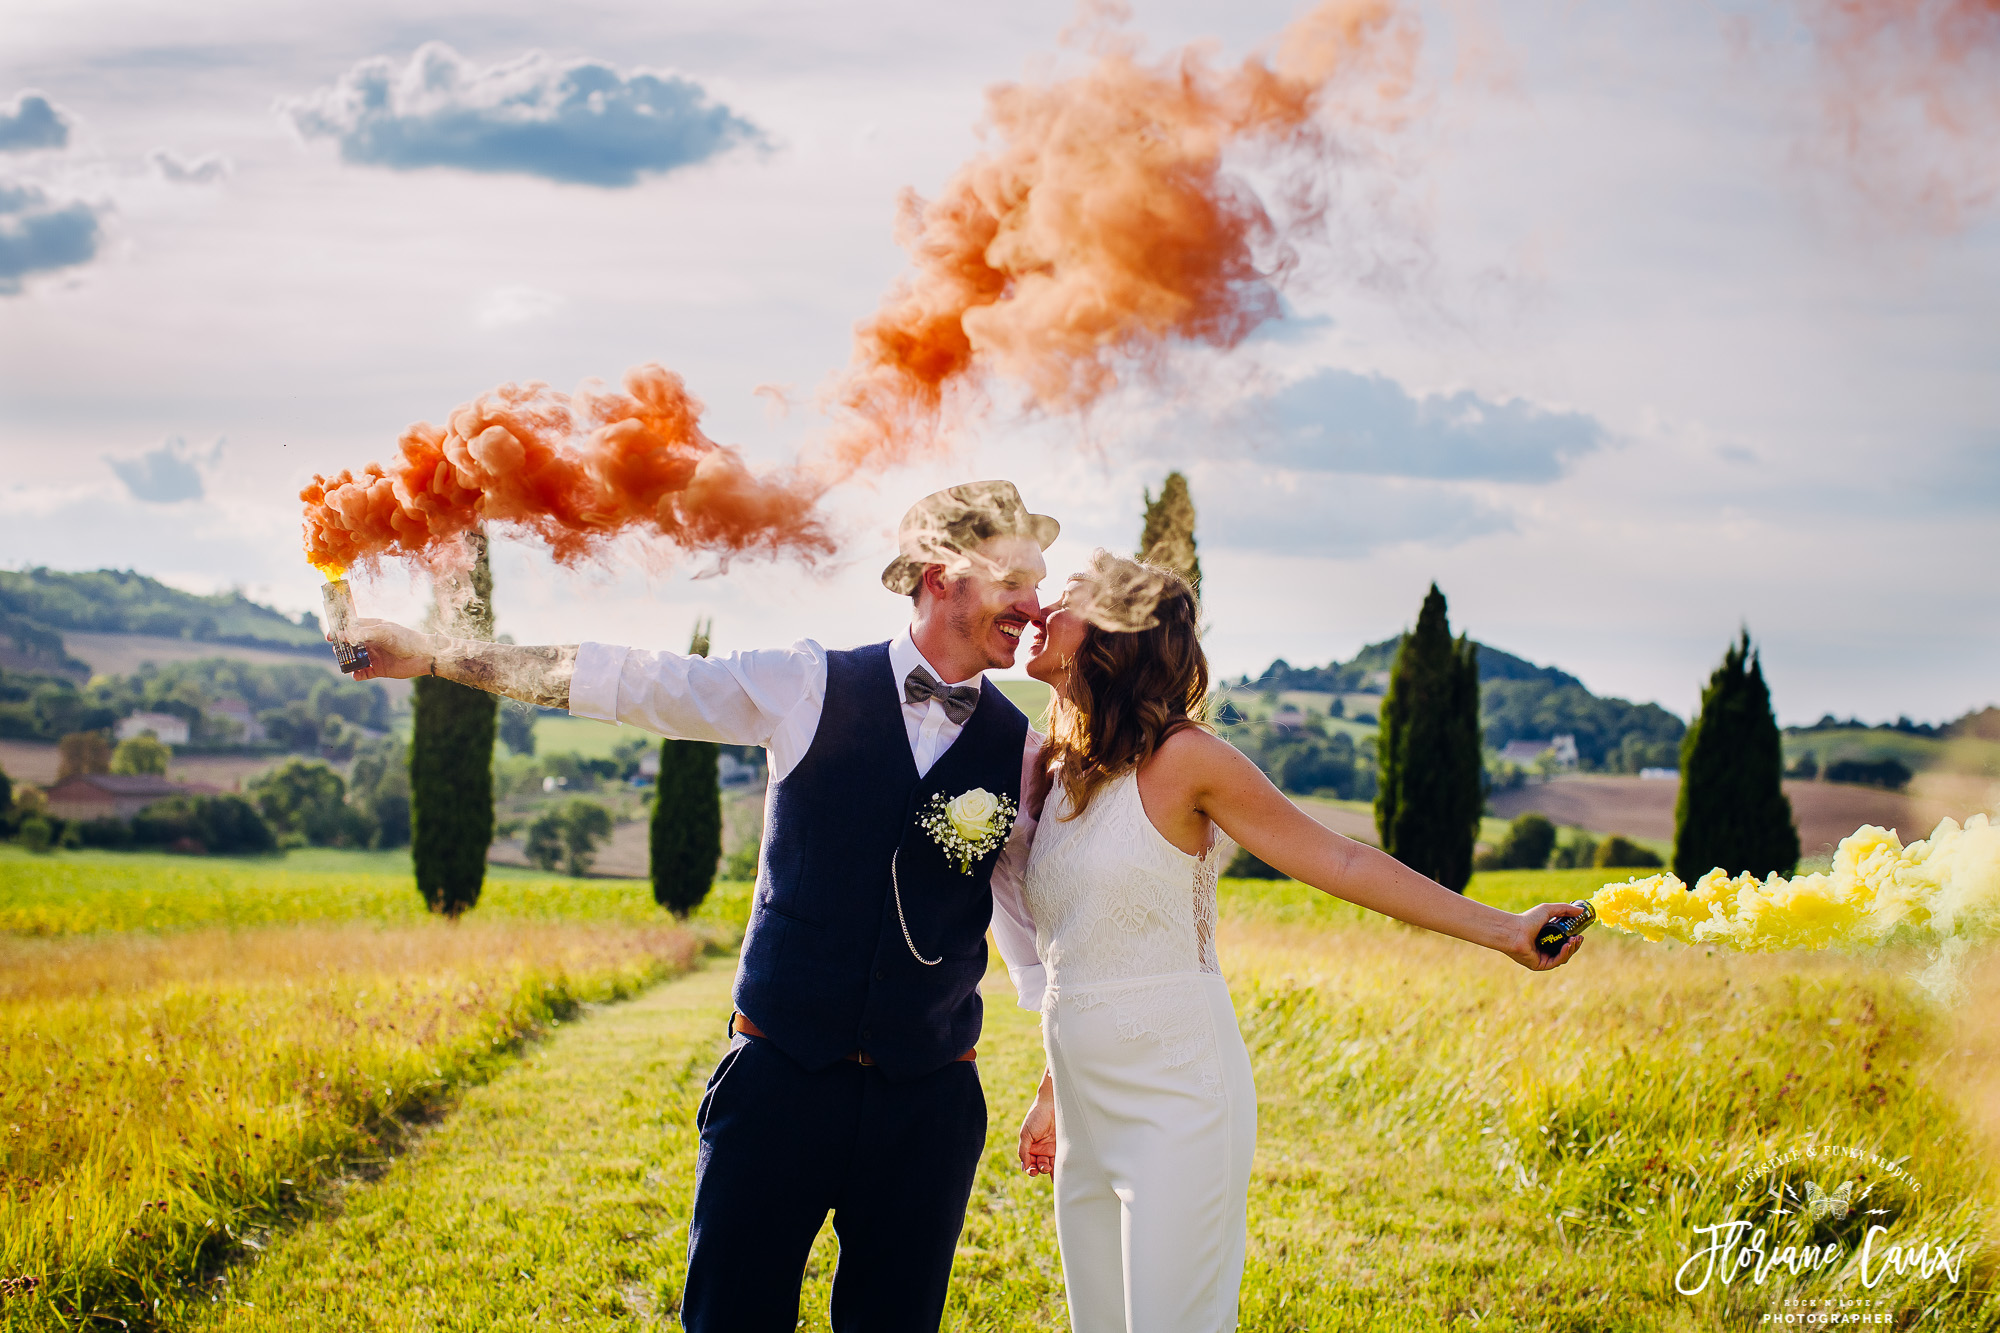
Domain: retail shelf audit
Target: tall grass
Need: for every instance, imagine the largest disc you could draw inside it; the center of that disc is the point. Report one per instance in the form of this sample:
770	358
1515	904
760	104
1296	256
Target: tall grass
190	1048
164	1101
1536	1151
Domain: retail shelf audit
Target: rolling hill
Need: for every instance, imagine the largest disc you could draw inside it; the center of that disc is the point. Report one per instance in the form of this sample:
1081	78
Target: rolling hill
1518	700
38	605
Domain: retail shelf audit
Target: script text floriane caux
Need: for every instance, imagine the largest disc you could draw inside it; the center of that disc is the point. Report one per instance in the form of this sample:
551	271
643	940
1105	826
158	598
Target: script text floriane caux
1735	1246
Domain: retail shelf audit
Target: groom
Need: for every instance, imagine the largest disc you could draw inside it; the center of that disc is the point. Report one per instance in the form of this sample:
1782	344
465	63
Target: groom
850	1085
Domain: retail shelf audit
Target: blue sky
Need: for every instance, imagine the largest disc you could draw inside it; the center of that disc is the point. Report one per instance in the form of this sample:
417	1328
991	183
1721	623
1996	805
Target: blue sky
1640	365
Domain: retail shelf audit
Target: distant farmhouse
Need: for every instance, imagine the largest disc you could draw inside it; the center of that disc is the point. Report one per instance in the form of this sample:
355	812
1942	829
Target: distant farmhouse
164	727
1527	754
116	795
238	712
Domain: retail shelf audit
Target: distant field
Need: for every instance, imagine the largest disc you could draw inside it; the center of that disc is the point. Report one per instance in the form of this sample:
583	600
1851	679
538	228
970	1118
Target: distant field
1030	696
1826	812
1353	819
81	893
1310	701
1918	753
580	735
38	762
122	654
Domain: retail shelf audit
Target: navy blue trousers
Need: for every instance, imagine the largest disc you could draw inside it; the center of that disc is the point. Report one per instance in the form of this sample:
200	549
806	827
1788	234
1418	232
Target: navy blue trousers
781	1148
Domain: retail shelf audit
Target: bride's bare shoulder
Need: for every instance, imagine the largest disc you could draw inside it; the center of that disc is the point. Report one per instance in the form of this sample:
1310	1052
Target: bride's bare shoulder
1198	750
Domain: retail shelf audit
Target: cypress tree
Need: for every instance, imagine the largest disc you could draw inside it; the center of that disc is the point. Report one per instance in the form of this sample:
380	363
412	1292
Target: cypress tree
1168	535
1732	810
687	815
1431	793
451	755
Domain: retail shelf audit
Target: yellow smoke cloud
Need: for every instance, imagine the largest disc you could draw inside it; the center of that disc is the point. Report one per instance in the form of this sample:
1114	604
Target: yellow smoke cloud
1932	891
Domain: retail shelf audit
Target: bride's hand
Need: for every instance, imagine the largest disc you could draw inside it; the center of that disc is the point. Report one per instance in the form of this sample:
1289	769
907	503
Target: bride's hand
1522	949
1038	1133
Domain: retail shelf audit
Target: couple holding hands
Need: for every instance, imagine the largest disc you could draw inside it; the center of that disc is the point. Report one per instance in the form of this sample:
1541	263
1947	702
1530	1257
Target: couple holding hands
911	806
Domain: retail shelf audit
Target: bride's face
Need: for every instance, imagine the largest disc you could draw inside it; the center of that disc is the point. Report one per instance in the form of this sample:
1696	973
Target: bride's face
1059	635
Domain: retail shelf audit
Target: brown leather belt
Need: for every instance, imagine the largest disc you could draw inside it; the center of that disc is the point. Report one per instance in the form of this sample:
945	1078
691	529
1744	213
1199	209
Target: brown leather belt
743	1025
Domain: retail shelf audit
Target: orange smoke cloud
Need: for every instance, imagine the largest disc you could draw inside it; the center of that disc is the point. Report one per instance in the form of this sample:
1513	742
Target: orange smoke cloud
1913	98
573	470
1108	226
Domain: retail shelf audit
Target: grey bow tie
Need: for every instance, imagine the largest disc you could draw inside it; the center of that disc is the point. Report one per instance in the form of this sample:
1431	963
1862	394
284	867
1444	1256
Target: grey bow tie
958	700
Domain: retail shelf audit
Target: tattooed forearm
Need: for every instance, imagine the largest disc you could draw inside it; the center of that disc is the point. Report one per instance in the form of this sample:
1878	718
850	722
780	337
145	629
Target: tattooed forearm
534	675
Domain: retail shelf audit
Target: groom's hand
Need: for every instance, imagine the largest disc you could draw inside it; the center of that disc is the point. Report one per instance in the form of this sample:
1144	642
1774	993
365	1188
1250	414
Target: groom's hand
1038	1136
395	652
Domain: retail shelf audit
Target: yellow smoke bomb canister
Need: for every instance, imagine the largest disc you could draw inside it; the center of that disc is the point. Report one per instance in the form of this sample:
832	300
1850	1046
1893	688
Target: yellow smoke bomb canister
1560	930
338	598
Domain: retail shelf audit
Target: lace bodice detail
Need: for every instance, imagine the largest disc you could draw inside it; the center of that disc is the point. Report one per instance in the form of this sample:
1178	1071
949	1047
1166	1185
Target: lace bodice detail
1123	917
1112	899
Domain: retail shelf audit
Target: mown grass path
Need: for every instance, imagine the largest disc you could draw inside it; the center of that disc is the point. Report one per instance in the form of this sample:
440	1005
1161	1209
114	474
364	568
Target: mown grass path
558	1194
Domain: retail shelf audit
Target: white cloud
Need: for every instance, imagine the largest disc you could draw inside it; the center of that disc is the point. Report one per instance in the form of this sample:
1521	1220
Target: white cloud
580	122
42	234
168	474
505	307
204	170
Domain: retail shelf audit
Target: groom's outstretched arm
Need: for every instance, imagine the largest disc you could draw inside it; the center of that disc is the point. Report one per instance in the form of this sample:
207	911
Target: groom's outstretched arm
534	675
768	697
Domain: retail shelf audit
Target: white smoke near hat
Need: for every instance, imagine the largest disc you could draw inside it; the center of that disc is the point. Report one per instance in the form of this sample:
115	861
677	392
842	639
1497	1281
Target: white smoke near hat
1117	595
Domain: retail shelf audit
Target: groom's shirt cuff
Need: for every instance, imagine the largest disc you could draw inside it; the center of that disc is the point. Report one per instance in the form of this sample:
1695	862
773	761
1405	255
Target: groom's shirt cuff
1013	924
1030	984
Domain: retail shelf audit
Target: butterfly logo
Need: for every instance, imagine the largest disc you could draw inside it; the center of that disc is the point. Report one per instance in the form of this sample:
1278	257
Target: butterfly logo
1835	1205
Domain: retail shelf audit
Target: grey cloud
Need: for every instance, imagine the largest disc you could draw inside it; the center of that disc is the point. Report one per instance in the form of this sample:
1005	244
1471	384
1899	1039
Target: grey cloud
1315	514
581	123
204	170
1338	421
38	235
33	123
168	474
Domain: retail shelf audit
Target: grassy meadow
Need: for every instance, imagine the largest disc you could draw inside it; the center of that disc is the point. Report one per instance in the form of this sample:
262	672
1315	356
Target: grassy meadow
335	1122
191	1049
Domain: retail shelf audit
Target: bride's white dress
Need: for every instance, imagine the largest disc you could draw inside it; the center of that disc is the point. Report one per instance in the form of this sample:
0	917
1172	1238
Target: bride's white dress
1156	1114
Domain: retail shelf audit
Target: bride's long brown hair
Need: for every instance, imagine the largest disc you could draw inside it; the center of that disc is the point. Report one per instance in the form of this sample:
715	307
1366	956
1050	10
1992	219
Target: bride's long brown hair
1139	677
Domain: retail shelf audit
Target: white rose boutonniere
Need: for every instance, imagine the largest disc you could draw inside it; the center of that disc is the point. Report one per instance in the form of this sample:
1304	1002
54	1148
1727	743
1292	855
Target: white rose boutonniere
969	825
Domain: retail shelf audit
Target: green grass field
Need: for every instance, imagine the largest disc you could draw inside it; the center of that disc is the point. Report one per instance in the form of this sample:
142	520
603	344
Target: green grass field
74	893
580	735
1919	754
1446	1141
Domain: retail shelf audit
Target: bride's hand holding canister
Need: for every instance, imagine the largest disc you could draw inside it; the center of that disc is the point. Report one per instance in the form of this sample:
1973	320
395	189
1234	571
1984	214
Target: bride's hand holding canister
1038	1131
1527	949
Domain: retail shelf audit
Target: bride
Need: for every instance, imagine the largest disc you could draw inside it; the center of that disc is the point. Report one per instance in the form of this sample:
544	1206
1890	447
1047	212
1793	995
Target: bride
1146	1114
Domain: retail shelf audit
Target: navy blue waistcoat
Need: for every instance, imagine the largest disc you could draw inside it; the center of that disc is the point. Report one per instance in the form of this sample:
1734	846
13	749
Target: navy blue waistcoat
825	969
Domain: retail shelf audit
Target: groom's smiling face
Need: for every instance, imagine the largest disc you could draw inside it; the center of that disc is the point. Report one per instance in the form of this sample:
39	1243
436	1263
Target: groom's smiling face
992	599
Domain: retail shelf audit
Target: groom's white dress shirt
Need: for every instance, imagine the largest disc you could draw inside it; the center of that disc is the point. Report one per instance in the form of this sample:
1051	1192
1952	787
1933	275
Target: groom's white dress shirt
773	697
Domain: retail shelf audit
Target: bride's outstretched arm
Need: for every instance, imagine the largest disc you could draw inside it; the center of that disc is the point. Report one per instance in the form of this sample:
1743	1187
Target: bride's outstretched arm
1203	773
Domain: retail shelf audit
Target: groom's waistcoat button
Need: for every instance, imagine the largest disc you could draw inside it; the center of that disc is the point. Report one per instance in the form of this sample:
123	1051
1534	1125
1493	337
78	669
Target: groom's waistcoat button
880	974
866	1033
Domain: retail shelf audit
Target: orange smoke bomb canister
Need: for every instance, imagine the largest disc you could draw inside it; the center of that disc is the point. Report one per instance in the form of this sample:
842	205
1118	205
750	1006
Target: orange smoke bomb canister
337	596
